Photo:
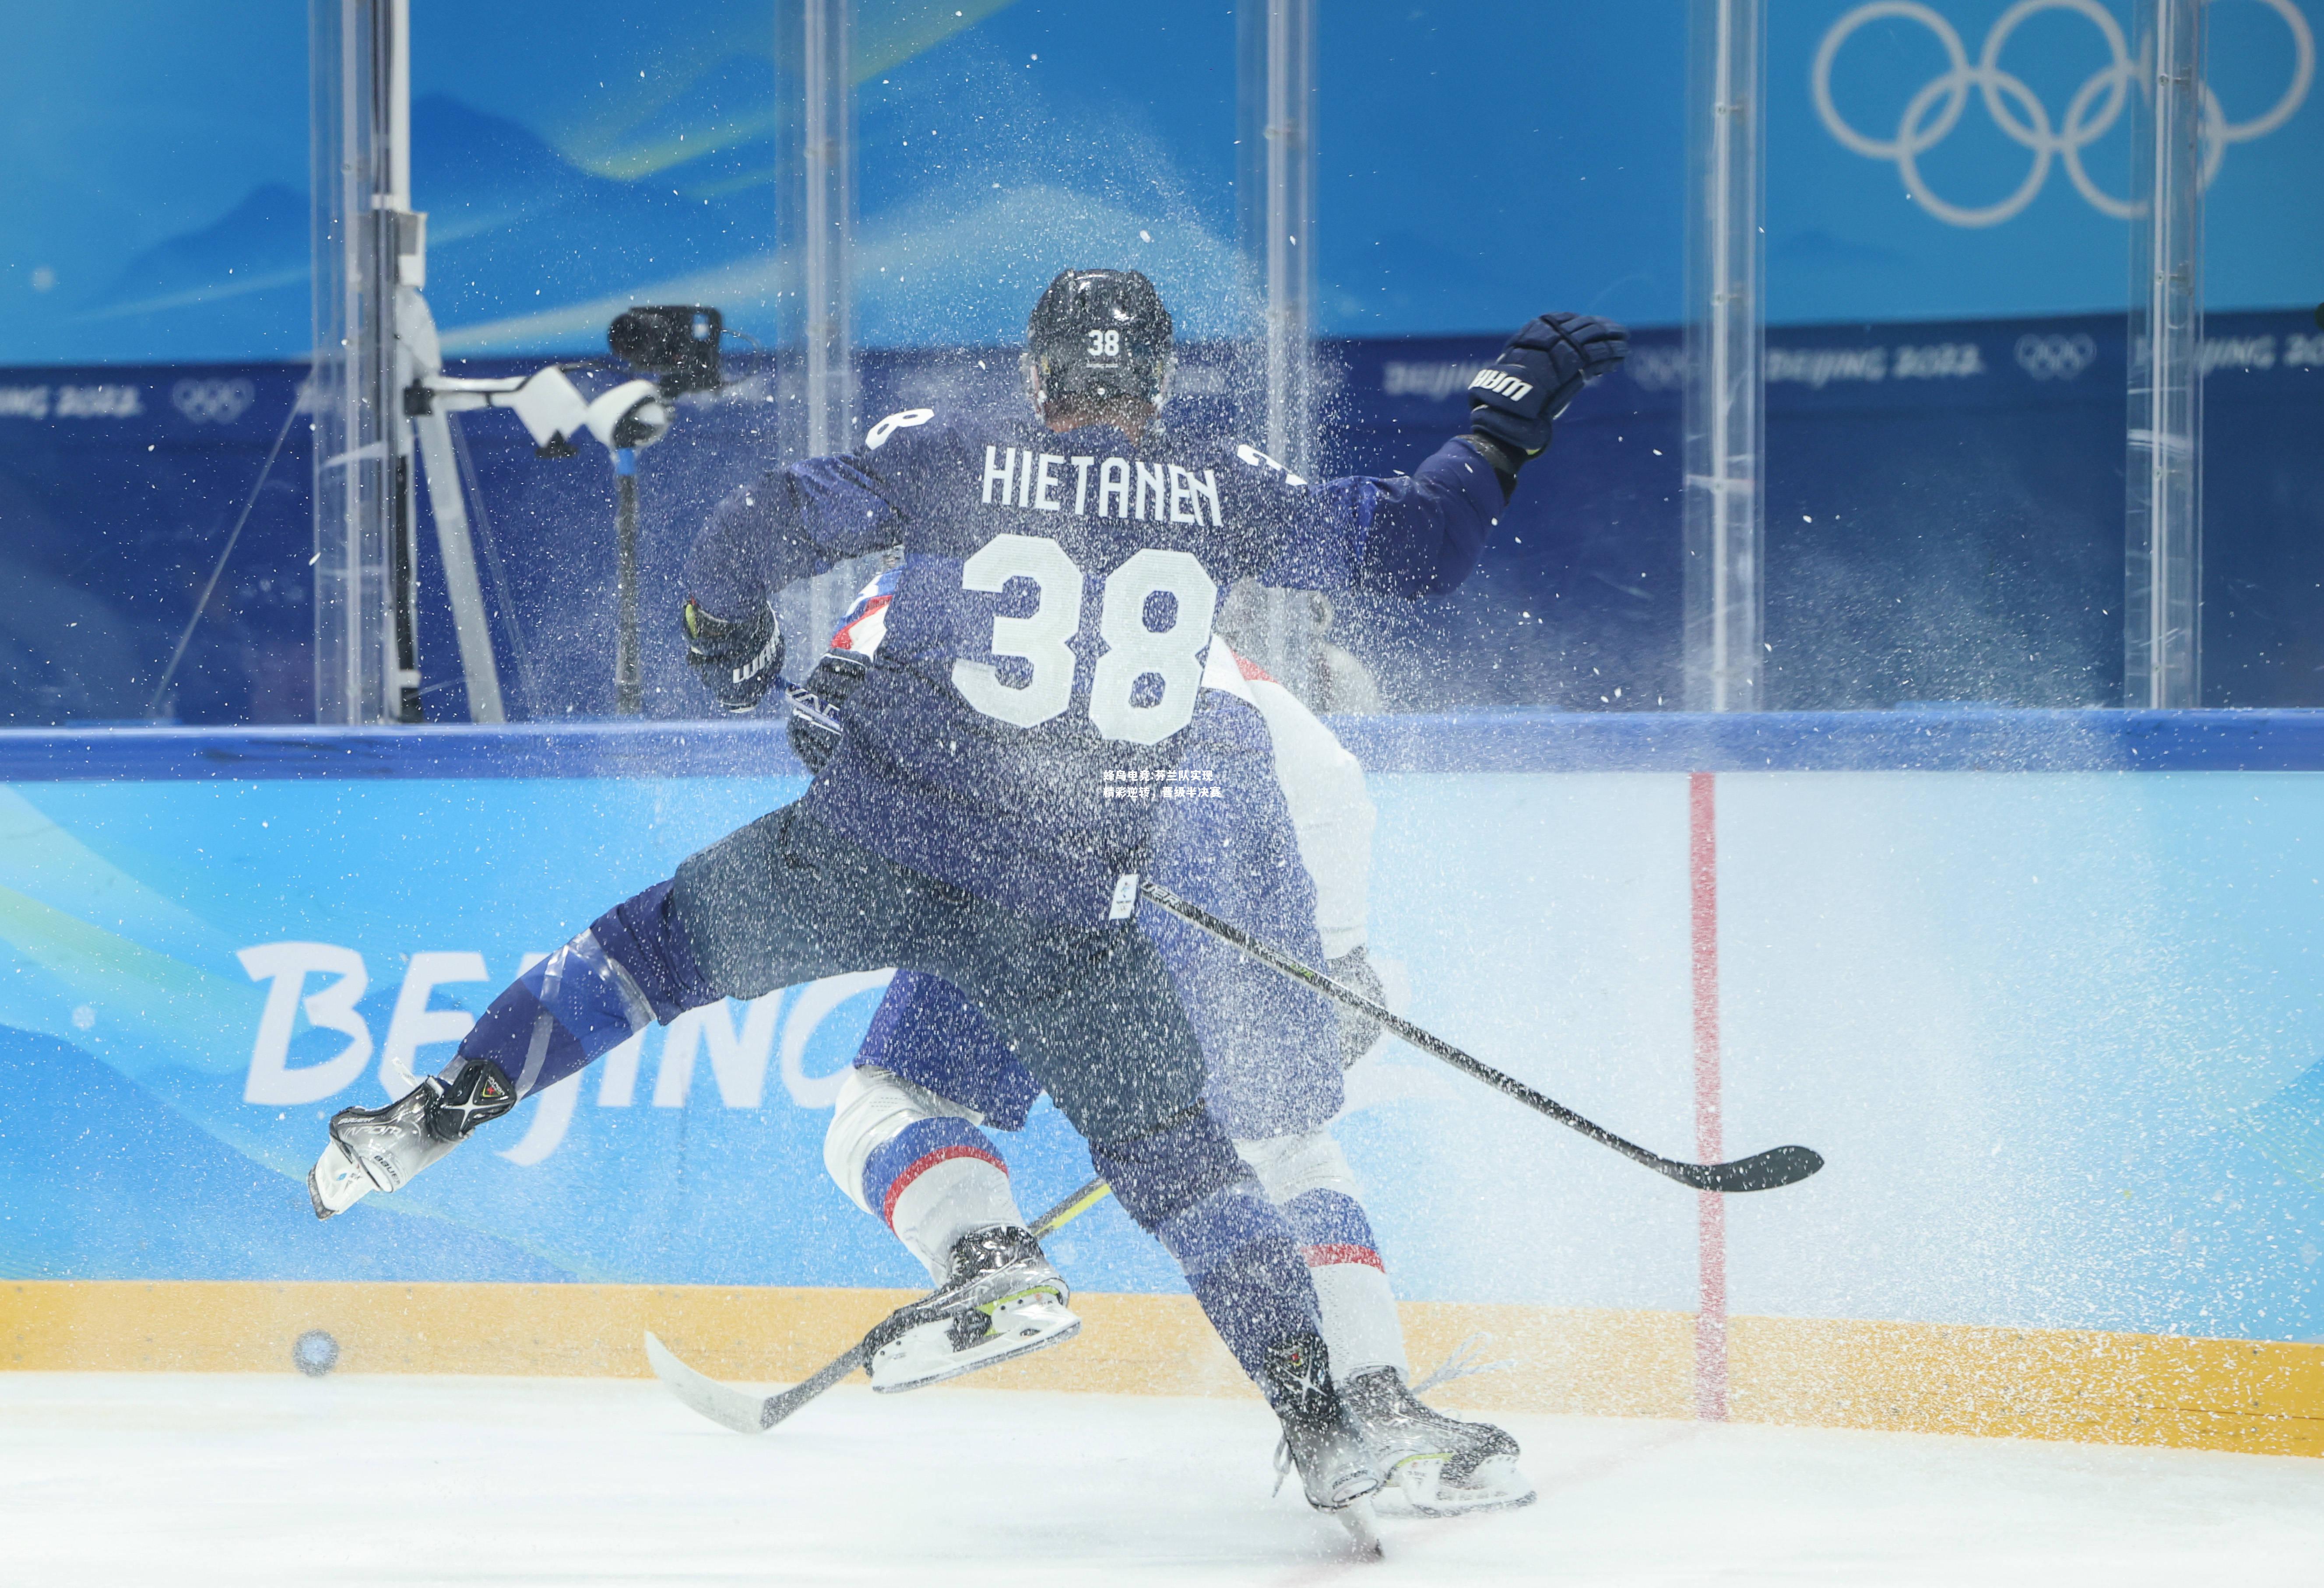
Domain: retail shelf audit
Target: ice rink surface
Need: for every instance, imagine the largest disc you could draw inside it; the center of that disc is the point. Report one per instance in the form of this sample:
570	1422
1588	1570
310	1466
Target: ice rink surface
193	1481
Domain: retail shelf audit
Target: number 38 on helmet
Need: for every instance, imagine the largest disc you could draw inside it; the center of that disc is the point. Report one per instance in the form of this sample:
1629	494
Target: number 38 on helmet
1098	337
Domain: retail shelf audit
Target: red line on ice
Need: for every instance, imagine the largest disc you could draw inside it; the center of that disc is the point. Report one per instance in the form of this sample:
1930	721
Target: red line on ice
1711	1210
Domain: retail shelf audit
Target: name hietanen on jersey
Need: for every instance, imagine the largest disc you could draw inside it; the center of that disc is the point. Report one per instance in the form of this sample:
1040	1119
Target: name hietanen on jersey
1108	488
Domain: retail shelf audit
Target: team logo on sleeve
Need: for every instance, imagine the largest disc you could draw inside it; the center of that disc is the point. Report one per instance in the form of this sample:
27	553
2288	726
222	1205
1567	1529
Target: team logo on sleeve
1257	459
877	436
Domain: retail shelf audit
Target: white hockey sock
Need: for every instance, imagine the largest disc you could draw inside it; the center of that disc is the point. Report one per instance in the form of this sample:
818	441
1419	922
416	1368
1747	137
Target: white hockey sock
918	1161
950	1198
1361	1327
1308	1178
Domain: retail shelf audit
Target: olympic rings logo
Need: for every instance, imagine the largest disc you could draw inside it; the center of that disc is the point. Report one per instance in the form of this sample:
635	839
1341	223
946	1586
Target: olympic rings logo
213	402
1657	369
2055	358
1936	108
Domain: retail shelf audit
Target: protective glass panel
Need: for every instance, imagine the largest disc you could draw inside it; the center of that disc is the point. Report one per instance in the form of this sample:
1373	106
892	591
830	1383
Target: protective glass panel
1514	204
1957	258
1960	209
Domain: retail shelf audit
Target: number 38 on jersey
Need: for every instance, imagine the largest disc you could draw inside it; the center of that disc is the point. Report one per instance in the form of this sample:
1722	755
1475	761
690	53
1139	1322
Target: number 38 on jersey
1130	650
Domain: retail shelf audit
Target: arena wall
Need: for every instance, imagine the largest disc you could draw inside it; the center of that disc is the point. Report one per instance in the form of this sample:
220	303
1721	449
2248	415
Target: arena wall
2041	987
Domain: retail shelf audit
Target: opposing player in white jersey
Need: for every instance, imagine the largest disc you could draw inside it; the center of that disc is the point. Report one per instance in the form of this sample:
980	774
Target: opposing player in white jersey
1292	861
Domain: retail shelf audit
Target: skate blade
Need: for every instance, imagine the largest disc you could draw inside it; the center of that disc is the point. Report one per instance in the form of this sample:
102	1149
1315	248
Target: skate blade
1362	1528
1018	1331
1495	1485
336	1182
1357	1487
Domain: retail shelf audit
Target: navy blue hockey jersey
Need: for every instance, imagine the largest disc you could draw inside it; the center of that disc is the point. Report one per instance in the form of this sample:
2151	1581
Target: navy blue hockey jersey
1052	613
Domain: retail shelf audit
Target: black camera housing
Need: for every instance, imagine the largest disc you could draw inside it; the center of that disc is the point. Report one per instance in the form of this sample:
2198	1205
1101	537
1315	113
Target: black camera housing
675	343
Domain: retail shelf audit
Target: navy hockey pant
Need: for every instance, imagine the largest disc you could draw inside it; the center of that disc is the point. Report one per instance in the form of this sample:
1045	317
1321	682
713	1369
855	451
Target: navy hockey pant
1091	1011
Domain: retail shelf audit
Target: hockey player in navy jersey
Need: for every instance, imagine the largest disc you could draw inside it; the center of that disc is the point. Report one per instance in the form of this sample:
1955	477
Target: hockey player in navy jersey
1267	824
1060	571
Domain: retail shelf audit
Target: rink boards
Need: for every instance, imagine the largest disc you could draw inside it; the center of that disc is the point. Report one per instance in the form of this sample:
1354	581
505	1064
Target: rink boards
2042	987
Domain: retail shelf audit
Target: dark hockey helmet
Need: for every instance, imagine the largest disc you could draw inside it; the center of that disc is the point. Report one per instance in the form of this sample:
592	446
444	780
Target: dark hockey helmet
1098	336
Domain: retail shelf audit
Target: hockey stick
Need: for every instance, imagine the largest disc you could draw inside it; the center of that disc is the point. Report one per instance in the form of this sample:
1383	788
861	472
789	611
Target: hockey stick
746	1413
1762	1171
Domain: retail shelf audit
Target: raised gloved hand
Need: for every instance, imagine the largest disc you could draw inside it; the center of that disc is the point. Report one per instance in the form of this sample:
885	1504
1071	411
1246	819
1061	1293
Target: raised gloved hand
737	660
815	724
1358	1032
1513	399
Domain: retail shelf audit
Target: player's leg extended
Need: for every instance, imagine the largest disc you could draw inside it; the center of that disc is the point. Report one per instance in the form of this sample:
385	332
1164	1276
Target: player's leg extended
1443	1466
1184	1184
920	1162
781	901
1095	1017
631	966
905	1143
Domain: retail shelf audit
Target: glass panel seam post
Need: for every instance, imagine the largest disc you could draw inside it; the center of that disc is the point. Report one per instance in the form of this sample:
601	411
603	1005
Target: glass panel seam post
2162	472
1276	193
389	221
372	339
819	188
352	66
1287	143
1725	534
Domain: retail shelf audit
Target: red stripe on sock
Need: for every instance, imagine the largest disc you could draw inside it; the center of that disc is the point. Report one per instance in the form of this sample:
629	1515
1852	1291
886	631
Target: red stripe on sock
1324	1257
922	1165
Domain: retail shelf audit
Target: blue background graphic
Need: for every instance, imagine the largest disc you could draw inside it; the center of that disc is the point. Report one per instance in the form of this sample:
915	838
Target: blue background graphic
128	1030
2053	1028
1477	164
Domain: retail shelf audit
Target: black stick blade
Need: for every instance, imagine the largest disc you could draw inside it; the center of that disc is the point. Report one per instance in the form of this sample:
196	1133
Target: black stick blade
1762	1171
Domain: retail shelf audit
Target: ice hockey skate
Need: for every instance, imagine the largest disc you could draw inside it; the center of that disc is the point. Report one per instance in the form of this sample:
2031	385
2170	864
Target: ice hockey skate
1320	1435
381	1148
1000	1300
1437	1465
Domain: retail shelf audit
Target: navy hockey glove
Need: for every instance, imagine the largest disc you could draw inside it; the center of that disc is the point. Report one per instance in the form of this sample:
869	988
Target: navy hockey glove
1513	399
1358	1032
738	662
815	724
